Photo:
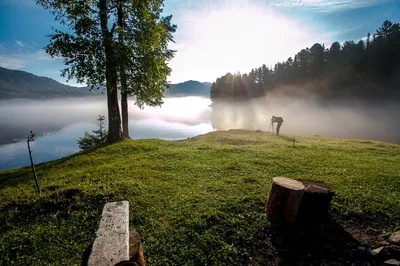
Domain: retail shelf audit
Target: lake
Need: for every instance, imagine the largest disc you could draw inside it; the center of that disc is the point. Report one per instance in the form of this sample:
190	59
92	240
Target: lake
60	122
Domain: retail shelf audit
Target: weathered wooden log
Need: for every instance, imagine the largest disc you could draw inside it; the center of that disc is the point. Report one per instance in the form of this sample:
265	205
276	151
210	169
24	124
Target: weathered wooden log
315	202
111	245
135	248
136	255
284	199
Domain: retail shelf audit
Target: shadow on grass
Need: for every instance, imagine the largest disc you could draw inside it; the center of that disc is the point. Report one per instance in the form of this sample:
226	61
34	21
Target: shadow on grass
60	204
55	217
16	177
326	243
287	138
24	174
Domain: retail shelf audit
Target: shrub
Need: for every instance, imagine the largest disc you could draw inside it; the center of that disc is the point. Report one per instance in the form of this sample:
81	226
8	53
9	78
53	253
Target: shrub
97	138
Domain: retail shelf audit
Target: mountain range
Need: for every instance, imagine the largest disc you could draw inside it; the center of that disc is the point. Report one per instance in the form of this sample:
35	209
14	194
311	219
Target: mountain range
189	88
21	84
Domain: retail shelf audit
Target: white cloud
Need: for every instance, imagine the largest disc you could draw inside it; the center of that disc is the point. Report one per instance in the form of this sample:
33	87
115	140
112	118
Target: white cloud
19	43
234	36
38	55
42	55
20	60
326	5
11	63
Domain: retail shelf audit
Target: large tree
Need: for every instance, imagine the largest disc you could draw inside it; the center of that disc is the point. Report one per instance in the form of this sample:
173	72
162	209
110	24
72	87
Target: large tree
116	44
88	50
143	37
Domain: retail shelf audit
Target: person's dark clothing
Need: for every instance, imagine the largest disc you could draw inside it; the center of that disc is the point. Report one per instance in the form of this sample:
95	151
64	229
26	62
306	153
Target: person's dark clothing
279	121
277	128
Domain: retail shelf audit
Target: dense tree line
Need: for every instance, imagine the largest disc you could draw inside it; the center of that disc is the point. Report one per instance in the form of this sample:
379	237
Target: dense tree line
366	69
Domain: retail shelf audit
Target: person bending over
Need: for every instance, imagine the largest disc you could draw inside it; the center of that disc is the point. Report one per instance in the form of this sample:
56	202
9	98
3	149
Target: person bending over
279	121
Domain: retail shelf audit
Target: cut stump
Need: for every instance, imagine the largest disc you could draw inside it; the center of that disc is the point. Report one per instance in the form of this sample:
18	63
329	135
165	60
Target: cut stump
284	199
316	201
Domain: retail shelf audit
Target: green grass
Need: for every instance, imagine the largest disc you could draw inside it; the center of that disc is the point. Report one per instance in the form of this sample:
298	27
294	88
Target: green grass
198	201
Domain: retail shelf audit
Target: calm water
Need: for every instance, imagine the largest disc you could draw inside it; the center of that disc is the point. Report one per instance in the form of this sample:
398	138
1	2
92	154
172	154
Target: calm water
59	123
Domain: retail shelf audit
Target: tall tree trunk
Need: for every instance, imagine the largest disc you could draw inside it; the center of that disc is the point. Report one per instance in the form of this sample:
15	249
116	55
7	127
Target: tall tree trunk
124	86
124	107
114	118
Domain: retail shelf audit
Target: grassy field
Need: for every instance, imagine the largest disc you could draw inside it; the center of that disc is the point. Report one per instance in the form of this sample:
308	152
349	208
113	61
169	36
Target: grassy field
198	201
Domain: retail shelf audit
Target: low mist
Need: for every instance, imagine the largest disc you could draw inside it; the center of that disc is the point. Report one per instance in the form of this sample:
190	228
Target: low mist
303	116
308	117
19	116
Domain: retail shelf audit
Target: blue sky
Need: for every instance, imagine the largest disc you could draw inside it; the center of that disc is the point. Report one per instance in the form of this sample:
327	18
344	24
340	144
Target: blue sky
214	36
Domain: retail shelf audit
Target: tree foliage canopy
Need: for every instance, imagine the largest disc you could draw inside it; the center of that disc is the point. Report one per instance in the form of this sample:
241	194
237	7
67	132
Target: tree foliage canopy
81	45
143	49
119	44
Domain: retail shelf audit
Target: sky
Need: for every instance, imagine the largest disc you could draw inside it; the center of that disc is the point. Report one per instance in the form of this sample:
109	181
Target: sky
213	36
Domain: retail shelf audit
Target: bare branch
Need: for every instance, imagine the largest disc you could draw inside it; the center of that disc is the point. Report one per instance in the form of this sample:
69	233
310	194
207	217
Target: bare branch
113	29
111	8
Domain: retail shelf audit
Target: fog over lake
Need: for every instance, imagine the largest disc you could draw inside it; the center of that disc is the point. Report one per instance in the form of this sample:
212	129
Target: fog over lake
60	122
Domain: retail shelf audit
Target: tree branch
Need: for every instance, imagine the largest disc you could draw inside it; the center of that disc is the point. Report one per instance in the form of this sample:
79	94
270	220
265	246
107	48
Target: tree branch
113	29
111	8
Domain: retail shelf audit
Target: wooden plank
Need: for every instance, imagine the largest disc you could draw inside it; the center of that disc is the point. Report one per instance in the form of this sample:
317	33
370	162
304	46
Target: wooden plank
112	238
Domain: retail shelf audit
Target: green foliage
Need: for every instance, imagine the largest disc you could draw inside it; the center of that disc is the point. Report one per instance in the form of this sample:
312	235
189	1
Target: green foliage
86	43
82	46
198	201
189	88
118	44
143	51
98	138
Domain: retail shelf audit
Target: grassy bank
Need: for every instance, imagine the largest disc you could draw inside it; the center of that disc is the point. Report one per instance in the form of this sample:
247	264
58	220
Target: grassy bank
198	201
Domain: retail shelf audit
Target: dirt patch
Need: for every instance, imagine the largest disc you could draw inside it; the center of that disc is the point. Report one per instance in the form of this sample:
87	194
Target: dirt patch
340	240
368	229
52	188
70	193
250	181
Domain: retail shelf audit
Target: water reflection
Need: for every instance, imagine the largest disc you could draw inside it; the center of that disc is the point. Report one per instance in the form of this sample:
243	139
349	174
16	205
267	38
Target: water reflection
59	124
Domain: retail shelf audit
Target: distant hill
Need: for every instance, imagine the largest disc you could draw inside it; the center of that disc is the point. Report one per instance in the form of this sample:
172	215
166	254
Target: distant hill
189	88
21	84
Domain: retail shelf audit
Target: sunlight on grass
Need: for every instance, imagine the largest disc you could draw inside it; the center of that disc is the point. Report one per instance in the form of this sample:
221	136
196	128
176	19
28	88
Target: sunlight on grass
195	202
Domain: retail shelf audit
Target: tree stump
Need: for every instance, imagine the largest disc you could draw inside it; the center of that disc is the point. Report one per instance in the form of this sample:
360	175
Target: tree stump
284	199
315	202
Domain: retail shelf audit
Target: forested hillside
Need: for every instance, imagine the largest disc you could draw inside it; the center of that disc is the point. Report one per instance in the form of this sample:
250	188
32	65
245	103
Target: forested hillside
21	84
367	69
189	88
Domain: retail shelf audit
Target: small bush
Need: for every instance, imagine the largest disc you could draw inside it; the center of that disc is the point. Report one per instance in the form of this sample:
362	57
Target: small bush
96	139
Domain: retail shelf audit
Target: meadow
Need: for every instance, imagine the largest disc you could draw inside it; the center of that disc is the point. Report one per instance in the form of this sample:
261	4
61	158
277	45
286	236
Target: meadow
198	201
